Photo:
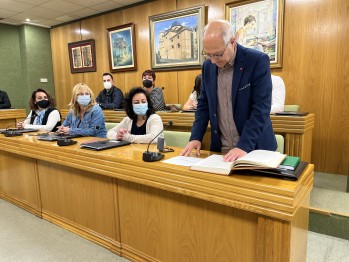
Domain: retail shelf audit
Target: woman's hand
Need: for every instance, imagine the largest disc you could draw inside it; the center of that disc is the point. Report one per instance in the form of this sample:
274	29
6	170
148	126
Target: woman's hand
121	133
20	125
63	130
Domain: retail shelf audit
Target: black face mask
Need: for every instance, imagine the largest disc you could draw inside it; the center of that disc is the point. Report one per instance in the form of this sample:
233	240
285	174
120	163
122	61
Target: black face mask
147	83
43	103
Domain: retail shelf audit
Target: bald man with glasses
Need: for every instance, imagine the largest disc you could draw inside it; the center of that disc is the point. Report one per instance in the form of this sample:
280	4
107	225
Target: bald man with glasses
235	96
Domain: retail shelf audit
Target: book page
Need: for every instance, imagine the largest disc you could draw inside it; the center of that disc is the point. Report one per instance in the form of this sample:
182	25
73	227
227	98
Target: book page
262	158
213	164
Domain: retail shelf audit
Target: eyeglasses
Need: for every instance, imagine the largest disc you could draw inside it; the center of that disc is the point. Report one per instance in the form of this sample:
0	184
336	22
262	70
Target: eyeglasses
217	55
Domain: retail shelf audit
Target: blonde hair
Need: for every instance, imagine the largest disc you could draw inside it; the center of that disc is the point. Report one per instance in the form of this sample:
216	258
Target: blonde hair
74	105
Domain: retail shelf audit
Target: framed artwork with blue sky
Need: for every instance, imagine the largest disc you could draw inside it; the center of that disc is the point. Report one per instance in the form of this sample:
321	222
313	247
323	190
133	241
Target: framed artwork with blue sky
176	39
122	48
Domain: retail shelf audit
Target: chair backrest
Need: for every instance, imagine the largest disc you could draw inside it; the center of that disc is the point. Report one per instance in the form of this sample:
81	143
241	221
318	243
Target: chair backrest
281	143
110	125
176	138
291	108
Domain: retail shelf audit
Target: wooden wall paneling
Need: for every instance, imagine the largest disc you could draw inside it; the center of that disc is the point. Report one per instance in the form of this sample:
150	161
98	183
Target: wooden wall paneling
163	226
71	197
186	84
96	28
64	80
19	182
313	71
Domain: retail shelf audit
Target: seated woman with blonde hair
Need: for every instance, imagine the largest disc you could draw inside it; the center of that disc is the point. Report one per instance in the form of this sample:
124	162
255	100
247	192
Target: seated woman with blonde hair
85	117
141	124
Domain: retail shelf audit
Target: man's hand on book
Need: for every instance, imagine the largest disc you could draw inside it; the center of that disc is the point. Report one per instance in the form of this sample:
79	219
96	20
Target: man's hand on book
190	146
234	154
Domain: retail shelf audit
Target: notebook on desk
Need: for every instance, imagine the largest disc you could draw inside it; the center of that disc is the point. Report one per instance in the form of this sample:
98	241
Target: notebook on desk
54	137
19	130
104	144
188	111
291	113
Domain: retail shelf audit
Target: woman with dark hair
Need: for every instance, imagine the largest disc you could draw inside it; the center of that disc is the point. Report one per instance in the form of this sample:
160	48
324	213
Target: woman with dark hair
141	124
155	93
43	114
192	102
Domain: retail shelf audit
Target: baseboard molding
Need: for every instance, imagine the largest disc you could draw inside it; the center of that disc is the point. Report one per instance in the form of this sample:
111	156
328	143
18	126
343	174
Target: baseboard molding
134	255
84	232
35	210
331	224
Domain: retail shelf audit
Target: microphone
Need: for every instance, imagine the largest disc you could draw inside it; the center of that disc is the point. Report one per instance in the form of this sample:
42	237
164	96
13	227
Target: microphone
14	132
155	156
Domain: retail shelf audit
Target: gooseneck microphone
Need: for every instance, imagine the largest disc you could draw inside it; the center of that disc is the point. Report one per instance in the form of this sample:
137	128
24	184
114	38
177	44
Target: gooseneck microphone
14	132
155	156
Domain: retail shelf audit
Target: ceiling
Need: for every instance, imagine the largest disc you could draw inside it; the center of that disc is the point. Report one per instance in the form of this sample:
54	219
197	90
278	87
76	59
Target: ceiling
48	13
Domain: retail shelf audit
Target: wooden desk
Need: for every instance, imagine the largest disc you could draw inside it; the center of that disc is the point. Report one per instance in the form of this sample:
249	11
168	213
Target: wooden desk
297	130
9	117
156	211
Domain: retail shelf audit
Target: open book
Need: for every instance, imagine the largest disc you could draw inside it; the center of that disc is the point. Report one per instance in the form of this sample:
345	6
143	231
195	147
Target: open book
256	159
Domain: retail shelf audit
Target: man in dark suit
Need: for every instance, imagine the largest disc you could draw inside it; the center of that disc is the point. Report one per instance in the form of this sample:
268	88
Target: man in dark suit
235	96
4	100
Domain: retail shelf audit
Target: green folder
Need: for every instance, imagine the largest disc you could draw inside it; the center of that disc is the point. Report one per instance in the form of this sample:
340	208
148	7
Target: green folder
290	163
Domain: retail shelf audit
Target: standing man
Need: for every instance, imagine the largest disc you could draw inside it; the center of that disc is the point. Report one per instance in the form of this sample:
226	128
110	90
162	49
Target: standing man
235	96
110	97
4	100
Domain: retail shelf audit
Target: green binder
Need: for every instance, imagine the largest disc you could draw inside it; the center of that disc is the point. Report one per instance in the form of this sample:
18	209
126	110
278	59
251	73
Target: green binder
289	163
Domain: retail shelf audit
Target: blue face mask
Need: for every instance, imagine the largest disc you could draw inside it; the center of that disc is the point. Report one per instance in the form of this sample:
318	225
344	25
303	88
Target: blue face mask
84	100
140	109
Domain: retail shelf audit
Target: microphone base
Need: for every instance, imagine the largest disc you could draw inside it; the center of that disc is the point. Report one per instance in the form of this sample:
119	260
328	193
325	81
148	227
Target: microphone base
152	156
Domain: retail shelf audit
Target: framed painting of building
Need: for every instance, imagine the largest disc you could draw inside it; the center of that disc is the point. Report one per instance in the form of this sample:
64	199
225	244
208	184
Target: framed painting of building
258	24
122	48
82	56
175	39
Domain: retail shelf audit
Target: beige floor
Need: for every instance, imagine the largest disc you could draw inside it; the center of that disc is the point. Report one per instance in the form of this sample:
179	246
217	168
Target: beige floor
24	237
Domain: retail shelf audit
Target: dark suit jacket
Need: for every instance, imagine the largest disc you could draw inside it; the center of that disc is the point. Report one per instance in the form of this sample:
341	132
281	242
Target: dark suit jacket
251	100
4	100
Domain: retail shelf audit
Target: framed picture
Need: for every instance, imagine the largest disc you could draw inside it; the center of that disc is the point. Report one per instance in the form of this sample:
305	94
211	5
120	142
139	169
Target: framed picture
258	24
122	48
82	56
175	39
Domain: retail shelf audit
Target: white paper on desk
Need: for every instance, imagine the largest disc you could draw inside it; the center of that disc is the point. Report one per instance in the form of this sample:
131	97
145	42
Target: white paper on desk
182	160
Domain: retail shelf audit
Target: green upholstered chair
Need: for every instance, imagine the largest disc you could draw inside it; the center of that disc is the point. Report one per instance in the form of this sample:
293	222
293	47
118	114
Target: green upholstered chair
110	125
281	143
176	138
292	108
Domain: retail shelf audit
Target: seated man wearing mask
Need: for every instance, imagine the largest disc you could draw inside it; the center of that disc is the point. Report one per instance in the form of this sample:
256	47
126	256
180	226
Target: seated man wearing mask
110	97
155	93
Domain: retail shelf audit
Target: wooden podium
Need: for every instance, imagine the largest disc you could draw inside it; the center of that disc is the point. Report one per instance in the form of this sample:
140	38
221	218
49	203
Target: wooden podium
156	211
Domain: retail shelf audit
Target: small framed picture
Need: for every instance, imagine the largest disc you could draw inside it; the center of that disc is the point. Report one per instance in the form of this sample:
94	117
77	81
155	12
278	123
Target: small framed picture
122	48
82	56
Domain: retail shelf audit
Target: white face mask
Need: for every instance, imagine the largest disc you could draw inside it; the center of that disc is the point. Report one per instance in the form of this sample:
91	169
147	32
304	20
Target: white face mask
107	85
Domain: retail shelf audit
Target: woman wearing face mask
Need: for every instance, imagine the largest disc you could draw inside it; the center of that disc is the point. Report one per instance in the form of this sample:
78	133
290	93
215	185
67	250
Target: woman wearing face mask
155	93
43	115
141	124
85	117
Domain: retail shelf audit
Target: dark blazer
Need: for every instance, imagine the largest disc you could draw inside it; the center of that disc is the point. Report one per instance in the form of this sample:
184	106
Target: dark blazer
251	101
4	100
115	97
